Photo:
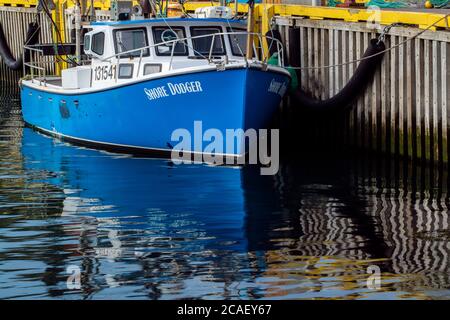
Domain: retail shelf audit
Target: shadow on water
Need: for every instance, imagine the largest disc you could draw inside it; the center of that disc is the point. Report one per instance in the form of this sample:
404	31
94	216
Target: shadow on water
148	229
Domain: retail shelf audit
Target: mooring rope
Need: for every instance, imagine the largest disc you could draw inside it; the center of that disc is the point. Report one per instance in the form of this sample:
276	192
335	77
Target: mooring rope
378	53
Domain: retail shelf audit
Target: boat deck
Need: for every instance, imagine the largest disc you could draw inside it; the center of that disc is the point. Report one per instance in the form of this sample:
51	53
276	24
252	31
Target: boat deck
56	81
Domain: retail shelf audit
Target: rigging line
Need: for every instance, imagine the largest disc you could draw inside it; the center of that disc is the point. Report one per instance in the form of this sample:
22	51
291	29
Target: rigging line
271	34
375	54
45	9
38	22
182	2
58	33
235	39
35	31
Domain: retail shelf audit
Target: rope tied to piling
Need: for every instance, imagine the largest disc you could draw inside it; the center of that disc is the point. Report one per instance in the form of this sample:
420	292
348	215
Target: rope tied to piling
360	79
386	30
6	53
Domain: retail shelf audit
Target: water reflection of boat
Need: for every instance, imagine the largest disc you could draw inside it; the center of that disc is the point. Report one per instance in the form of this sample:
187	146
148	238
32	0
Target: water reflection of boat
156	218
158	221
135	189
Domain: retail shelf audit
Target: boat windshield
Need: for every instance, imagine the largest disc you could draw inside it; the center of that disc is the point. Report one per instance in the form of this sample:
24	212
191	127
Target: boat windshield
202	45
130	39
164	34
238	42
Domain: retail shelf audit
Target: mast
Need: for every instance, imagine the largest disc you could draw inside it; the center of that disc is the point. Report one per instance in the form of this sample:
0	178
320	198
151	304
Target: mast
77	31
92	11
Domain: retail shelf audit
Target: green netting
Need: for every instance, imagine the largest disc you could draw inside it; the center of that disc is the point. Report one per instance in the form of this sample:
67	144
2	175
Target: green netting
333	3
379	3
439	3
273	60
386	4
294	80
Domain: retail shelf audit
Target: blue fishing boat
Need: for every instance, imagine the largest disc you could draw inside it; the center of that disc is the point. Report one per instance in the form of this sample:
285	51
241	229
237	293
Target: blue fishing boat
146	78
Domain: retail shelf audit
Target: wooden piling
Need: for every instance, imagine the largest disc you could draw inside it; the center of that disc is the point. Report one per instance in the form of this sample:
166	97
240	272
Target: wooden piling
404	110
15	22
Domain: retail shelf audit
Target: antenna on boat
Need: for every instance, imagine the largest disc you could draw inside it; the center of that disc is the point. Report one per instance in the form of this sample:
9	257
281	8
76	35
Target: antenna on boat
92	11
77	31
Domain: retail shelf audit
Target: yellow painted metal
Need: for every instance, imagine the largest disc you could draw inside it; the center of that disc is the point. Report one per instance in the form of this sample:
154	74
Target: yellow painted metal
250	30
98	4
417	18
191	6
18	3
57	16
420	18
264	12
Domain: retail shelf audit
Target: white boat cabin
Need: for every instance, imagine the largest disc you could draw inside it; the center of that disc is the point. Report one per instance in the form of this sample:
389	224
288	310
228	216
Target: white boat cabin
124	51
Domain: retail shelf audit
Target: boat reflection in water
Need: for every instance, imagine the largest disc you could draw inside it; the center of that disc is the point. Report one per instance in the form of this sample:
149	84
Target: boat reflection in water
141	228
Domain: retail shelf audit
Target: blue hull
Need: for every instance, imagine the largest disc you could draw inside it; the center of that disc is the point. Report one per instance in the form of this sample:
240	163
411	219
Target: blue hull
142	116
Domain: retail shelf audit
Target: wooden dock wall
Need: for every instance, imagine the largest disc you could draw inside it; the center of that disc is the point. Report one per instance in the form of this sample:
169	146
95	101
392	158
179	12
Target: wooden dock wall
15	22
405	109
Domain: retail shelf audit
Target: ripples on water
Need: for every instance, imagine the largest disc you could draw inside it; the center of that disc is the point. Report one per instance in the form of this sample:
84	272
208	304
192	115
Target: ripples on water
147	229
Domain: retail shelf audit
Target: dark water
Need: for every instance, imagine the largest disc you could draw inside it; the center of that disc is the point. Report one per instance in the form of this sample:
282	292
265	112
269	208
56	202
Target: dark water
148	229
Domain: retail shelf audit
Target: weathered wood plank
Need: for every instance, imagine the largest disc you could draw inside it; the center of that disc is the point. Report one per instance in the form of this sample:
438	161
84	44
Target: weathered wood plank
427	100
405	109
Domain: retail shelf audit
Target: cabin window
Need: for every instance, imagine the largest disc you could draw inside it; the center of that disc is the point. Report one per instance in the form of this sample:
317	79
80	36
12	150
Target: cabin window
164	34
202	45
87	43
131	39
98	43
150	68
126	70
238	42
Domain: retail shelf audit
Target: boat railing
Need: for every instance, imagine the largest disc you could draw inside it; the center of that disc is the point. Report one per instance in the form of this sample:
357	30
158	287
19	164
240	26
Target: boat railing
38	66
35	66
257	45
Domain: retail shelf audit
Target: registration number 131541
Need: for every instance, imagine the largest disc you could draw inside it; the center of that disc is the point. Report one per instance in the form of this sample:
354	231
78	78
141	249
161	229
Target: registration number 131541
106	72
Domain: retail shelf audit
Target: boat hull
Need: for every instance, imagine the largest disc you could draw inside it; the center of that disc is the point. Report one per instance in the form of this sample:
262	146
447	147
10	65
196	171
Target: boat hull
142	117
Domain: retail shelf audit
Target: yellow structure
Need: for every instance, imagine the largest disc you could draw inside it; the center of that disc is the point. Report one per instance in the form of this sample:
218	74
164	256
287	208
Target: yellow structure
18	3
422	19
98	4
265	11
